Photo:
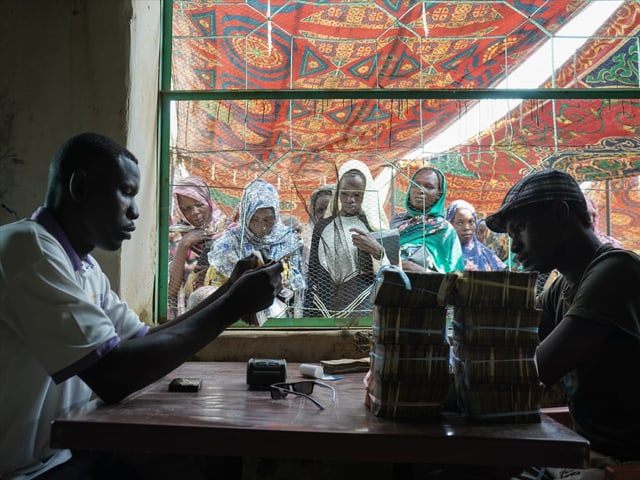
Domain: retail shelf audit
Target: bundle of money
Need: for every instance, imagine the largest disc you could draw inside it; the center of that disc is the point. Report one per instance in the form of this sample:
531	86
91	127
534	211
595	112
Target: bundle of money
418	363
496	326
494	337
410	359
500	402
504	289
406	399
425	289
482	364
409	325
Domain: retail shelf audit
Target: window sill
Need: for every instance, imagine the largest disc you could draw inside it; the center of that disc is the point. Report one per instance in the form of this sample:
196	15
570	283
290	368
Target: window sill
297	345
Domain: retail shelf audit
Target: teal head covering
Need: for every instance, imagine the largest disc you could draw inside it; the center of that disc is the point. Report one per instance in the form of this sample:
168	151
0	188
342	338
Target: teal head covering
438	208
420	223
426	237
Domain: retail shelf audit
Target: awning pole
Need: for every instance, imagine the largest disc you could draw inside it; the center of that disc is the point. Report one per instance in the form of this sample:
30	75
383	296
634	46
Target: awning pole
608	205
393	193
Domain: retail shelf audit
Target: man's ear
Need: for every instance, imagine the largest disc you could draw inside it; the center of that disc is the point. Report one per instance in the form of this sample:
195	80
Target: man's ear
78	185
560	211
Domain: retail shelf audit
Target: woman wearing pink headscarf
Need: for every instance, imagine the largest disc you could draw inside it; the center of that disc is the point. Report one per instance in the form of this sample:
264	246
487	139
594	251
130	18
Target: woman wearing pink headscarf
200	219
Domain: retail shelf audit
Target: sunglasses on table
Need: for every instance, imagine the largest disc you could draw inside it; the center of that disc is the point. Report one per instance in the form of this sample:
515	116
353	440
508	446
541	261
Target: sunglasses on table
302	389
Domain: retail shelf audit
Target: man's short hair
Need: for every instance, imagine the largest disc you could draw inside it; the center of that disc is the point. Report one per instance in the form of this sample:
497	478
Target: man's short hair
86	151
91	152
539	187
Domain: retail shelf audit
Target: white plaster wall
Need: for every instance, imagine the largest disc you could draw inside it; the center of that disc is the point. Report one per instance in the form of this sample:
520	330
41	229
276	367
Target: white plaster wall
66	67
139	254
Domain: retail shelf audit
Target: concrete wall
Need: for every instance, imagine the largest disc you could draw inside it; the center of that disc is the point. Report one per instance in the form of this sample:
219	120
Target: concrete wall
138	258
75	65
81	65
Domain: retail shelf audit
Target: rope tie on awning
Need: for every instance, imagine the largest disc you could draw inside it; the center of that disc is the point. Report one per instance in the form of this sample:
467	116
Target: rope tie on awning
269	26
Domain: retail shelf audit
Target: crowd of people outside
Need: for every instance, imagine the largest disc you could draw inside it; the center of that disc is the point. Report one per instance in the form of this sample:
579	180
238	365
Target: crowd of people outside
66	336
330	262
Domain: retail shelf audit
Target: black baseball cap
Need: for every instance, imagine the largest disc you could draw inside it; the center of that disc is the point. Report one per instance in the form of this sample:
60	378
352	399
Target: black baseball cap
536	187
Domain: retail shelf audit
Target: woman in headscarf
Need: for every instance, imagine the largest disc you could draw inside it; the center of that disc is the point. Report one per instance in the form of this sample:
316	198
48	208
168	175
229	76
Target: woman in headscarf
345	256
199	219
260	229
427	241
318	204
477	256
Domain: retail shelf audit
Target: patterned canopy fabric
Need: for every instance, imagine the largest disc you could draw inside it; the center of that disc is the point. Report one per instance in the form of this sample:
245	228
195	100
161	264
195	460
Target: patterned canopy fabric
298	142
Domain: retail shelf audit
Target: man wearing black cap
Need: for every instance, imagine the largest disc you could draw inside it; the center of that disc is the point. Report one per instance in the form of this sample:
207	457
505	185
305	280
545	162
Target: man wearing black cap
590	329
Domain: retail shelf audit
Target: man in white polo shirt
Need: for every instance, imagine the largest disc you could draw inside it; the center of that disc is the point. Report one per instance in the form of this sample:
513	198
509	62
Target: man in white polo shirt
63	332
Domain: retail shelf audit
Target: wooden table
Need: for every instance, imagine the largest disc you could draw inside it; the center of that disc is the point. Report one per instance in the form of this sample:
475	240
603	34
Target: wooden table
226	419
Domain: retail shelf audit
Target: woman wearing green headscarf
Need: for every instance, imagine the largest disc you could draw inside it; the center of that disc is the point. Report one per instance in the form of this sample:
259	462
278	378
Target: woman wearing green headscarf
427	241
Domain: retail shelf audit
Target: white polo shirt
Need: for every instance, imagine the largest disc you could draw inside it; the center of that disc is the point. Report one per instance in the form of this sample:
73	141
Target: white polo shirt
58	315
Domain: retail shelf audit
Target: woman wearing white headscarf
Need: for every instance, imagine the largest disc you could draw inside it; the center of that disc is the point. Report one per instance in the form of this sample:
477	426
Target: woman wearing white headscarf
345	256
260	229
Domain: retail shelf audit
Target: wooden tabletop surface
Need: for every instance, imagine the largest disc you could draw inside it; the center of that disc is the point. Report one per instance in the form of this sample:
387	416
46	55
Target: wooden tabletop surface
226	418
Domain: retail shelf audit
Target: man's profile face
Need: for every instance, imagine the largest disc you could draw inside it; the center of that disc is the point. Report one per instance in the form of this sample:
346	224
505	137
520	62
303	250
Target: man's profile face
534	239
110	208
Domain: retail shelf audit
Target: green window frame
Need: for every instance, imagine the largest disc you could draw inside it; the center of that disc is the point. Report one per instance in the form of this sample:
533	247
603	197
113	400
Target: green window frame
167	95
